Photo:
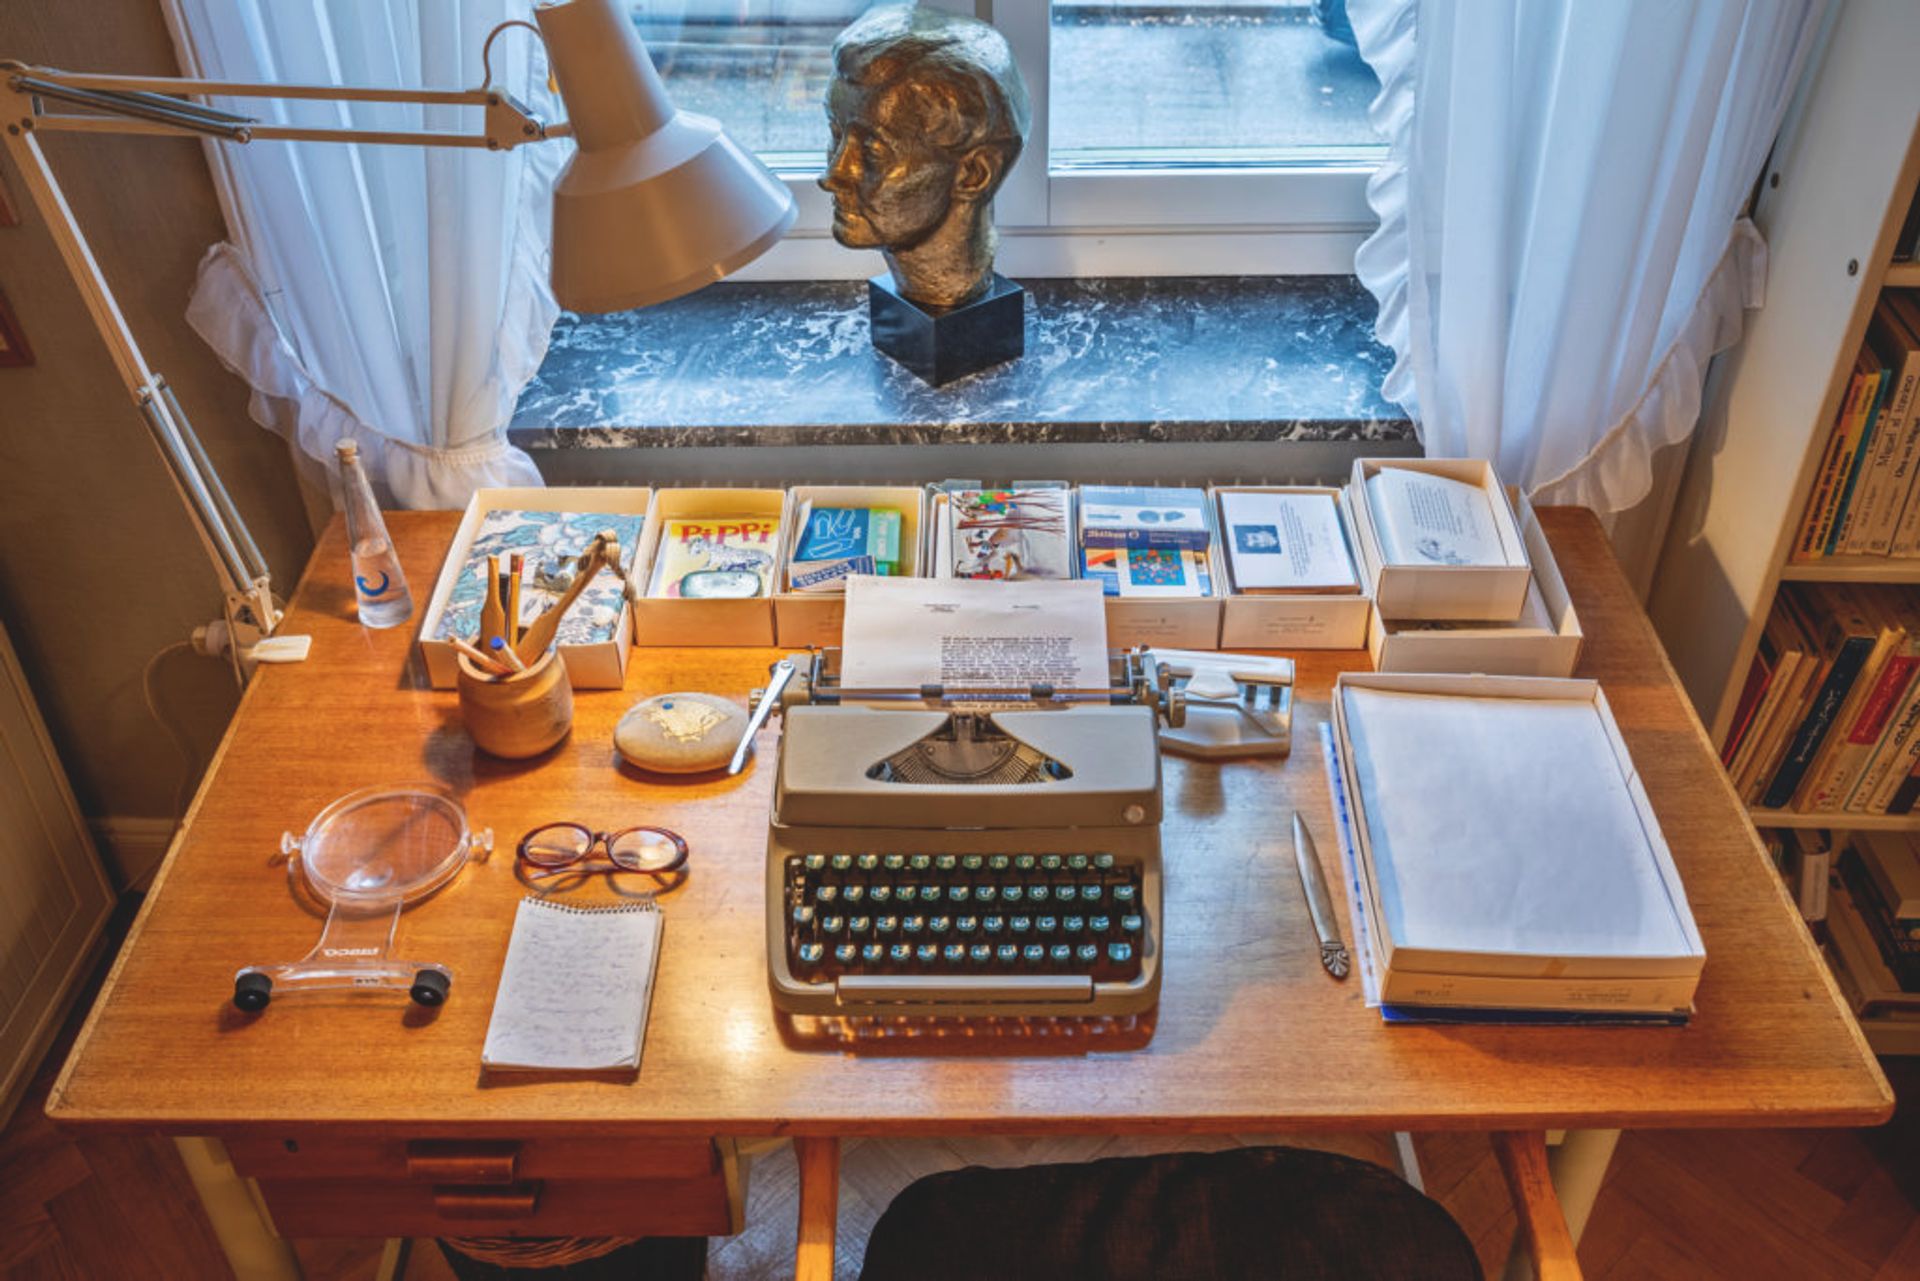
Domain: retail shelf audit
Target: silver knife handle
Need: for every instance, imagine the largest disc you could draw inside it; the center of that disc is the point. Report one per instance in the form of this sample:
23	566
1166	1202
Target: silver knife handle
1333	948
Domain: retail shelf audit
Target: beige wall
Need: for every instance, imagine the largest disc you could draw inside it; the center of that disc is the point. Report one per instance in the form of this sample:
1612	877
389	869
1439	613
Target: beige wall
99	567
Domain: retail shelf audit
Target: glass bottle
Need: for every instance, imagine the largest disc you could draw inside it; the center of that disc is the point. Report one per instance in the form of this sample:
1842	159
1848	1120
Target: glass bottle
378	582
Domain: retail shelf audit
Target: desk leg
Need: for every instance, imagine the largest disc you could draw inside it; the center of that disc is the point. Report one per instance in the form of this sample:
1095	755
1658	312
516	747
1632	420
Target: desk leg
819	1161
254	1250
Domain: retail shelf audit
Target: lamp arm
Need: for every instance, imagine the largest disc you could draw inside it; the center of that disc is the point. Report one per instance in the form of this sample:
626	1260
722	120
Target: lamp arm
251	610
154	105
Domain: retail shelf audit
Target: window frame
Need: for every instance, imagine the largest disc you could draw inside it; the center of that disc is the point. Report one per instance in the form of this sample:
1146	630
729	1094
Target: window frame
1149	221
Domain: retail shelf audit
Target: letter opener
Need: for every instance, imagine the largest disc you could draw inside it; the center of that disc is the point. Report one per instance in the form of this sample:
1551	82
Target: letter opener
1333	949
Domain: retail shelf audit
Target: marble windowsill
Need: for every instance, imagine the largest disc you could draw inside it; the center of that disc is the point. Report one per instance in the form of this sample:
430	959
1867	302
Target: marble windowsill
1167	359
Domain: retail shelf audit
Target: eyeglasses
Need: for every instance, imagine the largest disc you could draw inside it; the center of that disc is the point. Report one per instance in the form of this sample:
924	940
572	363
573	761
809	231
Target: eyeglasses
568	848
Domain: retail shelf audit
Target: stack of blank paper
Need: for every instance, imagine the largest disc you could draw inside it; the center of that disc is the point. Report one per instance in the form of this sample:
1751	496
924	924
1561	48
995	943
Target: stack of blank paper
1505	854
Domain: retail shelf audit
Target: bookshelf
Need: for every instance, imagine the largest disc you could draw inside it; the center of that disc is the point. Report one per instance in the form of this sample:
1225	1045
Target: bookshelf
1831	206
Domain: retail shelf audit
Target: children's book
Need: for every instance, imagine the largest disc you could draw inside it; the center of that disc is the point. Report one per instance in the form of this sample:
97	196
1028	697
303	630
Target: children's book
712	557
1010	533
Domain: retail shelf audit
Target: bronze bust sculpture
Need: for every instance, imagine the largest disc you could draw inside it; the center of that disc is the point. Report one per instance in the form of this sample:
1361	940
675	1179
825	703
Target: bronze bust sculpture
928	113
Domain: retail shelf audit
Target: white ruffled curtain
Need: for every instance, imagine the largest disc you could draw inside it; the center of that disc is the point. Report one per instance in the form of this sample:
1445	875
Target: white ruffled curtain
1561	248
394	295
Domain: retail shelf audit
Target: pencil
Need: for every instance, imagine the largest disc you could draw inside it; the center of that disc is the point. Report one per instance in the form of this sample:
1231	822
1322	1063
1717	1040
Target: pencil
513	598
488	666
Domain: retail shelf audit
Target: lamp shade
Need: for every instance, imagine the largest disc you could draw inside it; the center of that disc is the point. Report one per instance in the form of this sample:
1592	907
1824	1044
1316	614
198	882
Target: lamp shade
656	202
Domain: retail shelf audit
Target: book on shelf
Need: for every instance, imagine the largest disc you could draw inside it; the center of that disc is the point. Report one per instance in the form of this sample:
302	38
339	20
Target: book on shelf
1853	501
1782	648
1846	641
1906	246
1836	466
1806	861
1759	674
1893	860
1885	485
1869	986
1898	952
1862	718
1863	501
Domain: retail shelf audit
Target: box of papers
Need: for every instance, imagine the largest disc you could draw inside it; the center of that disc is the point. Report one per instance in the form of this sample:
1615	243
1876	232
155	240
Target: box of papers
545	526
1167	595
1440	538
815	618
1504	855
1274	619
709	560
1544	641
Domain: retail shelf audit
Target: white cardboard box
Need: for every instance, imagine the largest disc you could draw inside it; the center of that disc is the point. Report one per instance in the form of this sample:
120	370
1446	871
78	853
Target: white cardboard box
1493	649
1335	620
669	621
1685	965
815	618
601	666
1478	592
1172	622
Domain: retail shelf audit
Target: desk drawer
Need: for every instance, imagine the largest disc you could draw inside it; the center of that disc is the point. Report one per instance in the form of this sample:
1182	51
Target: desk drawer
371	1208
466	1161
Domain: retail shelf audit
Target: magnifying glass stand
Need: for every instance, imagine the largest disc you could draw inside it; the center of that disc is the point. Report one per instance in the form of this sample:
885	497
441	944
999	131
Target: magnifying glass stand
368	856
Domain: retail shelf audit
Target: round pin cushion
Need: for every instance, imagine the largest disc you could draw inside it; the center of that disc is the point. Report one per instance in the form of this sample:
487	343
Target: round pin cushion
680	733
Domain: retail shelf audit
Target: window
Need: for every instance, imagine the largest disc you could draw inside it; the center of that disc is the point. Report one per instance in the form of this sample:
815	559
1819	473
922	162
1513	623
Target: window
1169	136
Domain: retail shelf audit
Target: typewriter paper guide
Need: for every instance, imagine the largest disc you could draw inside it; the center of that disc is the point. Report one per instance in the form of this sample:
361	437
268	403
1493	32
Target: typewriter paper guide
1507	827
956	631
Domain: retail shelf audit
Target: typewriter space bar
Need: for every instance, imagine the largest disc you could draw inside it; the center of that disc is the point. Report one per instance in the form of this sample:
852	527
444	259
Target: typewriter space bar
865	989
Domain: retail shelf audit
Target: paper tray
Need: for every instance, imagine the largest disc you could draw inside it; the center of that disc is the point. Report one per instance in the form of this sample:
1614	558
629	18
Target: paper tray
1306	620
1687	963
597	666
1492	648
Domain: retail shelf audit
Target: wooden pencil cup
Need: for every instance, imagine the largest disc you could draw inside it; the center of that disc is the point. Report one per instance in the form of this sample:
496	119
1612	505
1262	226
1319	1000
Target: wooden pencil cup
520	715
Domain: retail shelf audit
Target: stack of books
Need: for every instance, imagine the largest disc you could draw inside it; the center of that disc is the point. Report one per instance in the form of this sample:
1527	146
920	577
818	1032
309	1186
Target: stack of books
1501	856
1829	719
1875	924
1863	495
1139	541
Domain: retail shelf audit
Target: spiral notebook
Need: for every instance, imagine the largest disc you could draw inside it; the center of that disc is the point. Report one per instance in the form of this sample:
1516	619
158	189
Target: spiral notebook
574	991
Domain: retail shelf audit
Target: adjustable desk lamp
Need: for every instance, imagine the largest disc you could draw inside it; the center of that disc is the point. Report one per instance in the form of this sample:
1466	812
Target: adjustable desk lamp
654	204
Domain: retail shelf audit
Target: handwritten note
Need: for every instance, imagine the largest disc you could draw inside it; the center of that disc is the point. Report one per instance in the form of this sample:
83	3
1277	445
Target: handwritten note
573	994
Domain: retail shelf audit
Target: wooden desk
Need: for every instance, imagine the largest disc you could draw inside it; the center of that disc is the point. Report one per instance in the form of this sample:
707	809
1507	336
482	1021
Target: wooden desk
1251	1036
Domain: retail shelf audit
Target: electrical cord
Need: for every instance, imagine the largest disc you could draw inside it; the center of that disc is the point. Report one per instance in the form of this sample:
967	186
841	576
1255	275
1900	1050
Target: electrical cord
189	759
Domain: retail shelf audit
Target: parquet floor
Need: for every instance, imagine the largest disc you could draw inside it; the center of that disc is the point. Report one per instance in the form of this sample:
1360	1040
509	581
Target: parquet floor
1743	1205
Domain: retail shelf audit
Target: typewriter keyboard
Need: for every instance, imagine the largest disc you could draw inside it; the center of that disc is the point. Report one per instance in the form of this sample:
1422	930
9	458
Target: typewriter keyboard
963	914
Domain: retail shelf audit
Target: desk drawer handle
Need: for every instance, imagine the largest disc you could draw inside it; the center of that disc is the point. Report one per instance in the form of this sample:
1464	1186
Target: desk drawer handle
514	1202
454	1161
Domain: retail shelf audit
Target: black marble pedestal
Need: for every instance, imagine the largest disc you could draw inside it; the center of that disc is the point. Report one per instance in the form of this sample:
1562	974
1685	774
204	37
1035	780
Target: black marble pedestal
941	345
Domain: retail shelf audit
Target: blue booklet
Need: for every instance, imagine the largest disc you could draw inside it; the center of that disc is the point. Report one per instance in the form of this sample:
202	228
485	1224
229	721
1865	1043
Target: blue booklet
1138	516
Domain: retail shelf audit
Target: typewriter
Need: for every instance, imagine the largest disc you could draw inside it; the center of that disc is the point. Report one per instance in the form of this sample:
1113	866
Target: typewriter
937	851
